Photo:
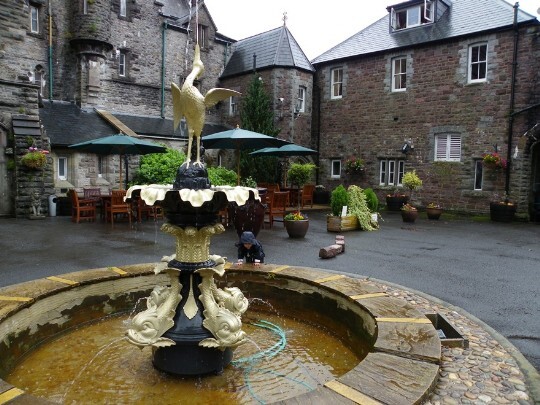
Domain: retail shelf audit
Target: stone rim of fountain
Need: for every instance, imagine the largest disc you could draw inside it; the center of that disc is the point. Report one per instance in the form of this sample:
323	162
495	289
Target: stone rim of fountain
421	369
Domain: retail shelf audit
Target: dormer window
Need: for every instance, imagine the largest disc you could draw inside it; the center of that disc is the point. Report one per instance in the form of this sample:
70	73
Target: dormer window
406	17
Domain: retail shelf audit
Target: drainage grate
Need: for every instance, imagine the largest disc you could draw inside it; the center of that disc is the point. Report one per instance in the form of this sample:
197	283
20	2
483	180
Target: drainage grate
449	336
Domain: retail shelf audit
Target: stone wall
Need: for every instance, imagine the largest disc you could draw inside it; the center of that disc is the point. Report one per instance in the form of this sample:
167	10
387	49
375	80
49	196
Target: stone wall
372	122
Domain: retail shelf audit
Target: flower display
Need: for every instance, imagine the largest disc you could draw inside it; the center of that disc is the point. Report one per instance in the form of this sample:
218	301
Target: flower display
433	205
354	165
408	207
295	216
35	158
494	160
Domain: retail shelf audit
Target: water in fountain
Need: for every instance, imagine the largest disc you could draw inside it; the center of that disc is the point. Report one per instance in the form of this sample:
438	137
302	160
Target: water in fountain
80	367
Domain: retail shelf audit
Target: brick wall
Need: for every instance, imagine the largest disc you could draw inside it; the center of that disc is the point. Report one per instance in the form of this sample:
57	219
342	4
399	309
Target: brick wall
373	123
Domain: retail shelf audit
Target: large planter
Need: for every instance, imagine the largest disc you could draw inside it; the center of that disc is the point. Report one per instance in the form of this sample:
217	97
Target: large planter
321	197
434	213
341	224
395	202
296	229
248	217
502	212
409	215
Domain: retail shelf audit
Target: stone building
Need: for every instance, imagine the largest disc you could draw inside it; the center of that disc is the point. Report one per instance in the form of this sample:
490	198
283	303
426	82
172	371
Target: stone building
93	68
433	81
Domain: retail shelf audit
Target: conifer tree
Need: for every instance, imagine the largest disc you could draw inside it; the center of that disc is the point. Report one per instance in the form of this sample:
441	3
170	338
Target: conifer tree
257	115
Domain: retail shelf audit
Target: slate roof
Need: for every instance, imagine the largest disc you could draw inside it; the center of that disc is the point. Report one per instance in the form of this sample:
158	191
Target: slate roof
65	124
463	18
274	48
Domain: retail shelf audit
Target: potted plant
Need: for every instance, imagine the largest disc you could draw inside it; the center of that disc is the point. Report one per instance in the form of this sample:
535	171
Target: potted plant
354	165
396	200
297	224
340	220
434	210
358	206
298	175
442	172
35	158
412	182
500	209
321	195
409	213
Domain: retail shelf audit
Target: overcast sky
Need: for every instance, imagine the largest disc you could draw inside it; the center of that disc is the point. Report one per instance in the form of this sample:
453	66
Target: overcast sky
317	26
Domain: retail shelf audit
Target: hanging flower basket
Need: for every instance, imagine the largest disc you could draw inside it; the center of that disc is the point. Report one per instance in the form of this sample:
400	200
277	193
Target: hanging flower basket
35	159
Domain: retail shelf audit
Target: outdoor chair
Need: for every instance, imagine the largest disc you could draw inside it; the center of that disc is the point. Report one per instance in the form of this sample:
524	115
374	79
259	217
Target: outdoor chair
143	209
307	194
94	194
82	208
117	206
278	206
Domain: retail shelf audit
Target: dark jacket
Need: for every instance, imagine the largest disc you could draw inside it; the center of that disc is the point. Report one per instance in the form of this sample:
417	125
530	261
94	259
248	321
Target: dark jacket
254	252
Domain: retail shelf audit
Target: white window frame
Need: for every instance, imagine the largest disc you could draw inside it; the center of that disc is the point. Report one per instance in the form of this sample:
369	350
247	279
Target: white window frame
478	174
424	13
123	8
336	83
202	32
391	172
335	168
85	6
476	63
122	64
34	19
62	168
448	148
399	74
301	100
233	106
39	80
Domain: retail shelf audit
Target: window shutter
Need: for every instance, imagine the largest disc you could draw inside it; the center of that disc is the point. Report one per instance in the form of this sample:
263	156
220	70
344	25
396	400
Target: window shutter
455	148
440	152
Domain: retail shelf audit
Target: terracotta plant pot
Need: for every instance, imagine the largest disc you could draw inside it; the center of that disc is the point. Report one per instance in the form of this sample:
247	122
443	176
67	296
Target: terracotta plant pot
395	202
296	229
502	212
434	213
409	215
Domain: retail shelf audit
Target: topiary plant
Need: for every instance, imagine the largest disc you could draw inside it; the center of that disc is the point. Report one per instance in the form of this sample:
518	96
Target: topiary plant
338	200
359	208
372	200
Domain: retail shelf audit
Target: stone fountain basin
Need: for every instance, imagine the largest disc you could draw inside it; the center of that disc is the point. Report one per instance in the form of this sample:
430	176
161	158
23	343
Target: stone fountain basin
401	367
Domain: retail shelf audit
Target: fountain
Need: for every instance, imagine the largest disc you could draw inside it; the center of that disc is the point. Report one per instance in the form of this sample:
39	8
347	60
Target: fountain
193	325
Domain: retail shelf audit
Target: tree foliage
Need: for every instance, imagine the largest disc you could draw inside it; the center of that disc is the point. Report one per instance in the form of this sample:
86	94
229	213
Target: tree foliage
257	116
159	168
220	176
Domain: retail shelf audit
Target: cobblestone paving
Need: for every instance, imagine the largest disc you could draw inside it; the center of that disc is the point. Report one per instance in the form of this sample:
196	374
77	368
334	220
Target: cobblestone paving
483	373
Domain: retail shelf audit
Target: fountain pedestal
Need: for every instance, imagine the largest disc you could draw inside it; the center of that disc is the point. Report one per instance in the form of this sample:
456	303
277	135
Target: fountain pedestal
192	325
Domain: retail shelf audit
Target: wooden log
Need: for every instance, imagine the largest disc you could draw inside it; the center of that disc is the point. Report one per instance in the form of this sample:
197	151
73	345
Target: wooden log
330	251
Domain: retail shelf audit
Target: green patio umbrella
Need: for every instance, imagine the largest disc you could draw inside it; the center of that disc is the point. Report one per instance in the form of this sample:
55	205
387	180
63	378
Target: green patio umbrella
285	150
240	139
118	145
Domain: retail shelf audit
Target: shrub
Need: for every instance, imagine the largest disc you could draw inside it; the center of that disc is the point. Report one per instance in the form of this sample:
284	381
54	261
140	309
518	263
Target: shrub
338	200
220	176
299	173
159	168
359	208
372	200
